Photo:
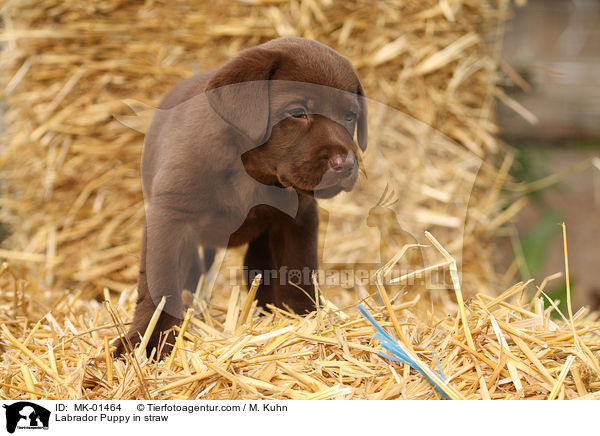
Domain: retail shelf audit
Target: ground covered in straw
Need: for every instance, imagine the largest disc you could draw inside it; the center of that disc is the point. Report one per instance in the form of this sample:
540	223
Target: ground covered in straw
506	347
80	80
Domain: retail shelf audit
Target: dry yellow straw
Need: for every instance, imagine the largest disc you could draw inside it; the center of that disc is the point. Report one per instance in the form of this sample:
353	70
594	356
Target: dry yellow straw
232	311
43	366
28	381
129	352
514	375
141	350
186	321
379	278
457	288
249	299
561	377
22	256
37	393
108	360
568	280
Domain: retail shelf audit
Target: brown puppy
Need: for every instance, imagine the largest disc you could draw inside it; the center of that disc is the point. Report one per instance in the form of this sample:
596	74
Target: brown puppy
237	155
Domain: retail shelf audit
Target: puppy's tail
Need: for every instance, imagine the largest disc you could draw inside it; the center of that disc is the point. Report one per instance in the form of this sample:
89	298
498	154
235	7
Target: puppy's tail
209	258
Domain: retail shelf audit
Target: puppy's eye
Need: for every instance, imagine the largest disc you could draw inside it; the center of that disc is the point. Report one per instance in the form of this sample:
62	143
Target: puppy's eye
297	112
350	116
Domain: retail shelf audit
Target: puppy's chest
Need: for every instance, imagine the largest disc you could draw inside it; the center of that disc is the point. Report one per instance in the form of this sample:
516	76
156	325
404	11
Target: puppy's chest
259	219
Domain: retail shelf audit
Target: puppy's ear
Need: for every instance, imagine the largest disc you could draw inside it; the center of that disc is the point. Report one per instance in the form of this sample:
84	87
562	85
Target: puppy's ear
362	131
239	91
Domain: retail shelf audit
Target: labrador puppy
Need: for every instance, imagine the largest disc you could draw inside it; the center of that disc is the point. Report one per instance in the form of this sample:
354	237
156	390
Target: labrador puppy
237	156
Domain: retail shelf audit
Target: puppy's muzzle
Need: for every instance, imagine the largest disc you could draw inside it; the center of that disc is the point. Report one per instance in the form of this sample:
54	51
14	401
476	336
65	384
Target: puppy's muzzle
342	171
342	165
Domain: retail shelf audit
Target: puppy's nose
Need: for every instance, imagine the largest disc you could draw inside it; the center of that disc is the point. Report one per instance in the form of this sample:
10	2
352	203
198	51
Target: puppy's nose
342	164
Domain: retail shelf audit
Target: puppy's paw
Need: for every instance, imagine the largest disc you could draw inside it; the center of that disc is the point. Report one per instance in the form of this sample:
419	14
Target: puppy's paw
299	304
122	346
159	346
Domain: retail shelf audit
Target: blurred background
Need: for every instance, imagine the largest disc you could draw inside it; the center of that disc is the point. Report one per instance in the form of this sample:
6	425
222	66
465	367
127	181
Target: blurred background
551	66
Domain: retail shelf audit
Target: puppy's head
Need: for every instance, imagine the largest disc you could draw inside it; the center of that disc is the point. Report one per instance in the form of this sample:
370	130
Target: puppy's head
299	104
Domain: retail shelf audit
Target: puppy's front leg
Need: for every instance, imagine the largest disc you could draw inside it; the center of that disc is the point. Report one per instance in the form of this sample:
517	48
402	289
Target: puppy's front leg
294	243
161	256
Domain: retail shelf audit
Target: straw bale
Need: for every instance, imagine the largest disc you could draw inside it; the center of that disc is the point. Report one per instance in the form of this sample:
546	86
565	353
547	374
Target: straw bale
78	76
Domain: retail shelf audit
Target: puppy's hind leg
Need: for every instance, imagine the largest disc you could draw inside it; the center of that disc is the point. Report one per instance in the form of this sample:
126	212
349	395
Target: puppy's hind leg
294	245
258	260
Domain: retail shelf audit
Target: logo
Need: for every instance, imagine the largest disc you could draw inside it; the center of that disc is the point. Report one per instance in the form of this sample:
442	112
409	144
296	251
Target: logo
26	415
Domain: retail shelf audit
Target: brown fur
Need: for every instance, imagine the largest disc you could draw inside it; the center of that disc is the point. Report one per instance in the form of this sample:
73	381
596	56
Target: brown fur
227	161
